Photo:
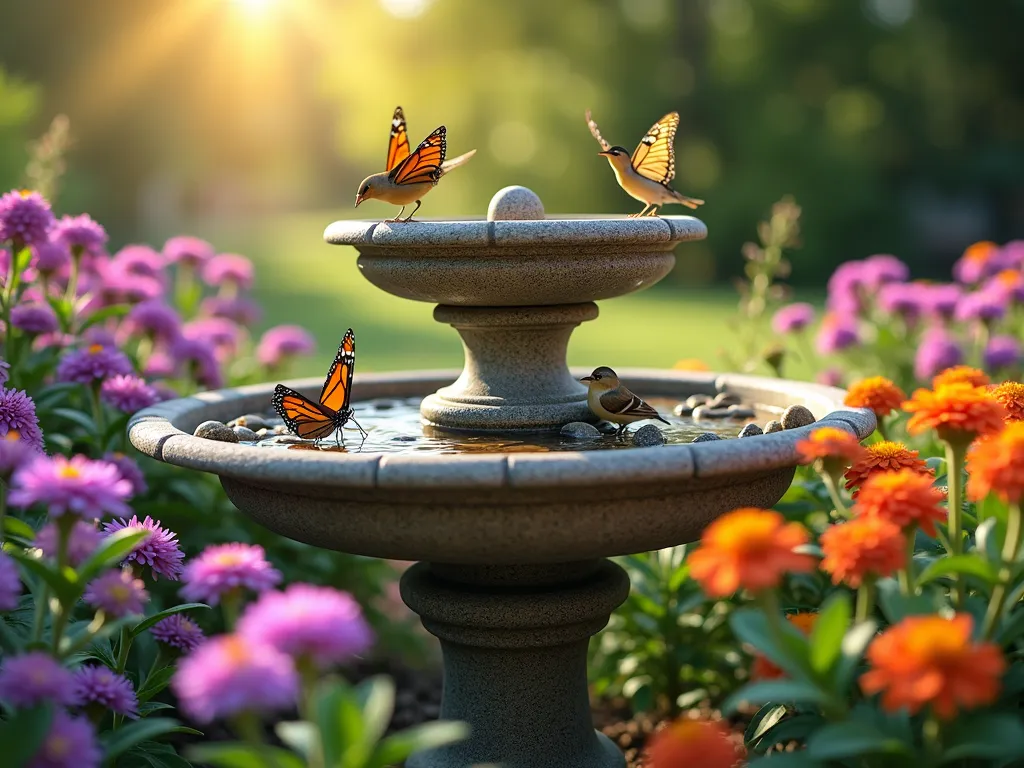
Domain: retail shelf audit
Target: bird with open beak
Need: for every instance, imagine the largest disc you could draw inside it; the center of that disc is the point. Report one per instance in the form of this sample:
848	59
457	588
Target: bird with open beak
611	400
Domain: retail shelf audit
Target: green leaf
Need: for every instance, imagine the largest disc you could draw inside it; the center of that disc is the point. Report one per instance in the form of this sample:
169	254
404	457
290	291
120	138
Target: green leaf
855	642
299	735
986	539
149	707
63	587
766	717
775	692
155	683
81	419
996	736
19	529
786	646
339	721
398	746
897	607
116	743
22	734
376	697
238	755
786	760
838	741
117	310
964	565
148	622
112	551
829	631
793	728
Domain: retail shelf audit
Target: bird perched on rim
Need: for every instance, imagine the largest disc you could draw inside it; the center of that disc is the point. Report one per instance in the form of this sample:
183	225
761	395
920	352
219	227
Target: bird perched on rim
409	176
612	401
645	175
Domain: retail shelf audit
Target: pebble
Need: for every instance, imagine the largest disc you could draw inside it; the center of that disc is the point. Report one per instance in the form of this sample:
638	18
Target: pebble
244	434
723	399
403	439
694	400
704	412
250	420
580	430
796	416
682	410
215	430
750	430
705	437
607	428
740	412
773	426
720	384
648	435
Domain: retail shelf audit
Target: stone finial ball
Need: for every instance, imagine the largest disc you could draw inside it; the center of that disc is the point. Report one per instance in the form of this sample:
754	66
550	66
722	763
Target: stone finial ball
515	203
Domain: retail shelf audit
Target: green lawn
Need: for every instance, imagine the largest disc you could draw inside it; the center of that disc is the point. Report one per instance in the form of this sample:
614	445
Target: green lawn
301	279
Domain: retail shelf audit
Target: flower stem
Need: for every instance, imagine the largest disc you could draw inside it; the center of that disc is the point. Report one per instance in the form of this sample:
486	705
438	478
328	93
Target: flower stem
1011	546
956	452
906	574
97	415
231	607
865	601
881	428
832	486
62	612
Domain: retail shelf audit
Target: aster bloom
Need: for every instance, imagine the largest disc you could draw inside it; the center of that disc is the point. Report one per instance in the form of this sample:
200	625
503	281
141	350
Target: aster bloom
34	318
793	318
76	486
836	334
1010	394
10	583
979	261
179	632
229	269
832	445
25	218
118	284
100	685
241	310
846	287
283	342
223	334
141	260
199	358
129	470
830	377
907	300
82	542
692	742
905	497
957	412
748	549
117	593
128	393
93	363
986	305
881	269
996	465
941	301
865	547
189	251
70	743
884	456
936	352
153	319
961	374
321	624
34	678
223	568
933	661
80	234
18	413
228	675
876	393
159	550
1002	351
763	668
1009	282
13	453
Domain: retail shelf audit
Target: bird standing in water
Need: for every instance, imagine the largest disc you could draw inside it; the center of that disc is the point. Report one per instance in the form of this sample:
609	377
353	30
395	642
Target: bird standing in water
612	401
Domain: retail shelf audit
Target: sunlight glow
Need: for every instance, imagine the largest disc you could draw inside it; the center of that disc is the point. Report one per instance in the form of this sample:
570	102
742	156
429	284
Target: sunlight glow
405	9
253	6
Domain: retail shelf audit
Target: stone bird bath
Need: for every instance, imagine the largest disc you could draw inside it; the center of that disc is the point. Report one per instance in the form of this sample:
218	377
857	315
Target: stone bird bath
513	575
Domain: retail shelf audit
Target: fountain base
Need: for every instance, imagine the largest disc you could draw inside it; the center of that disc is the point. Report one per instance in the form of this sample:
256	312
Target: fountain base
514	640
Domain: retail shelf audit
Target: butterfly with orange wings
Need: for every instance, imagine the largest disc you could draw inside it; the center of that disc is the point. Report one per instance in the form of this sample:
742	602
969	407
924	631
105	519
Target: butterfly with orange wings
409	176
315	421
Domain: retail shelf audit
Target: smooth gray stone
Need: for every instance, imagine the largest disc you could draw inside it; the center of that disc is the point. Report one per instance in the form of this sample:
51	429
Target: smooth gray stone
694	400
705	437
683	409
580	430
773	426
750	430
702	412
244	434
725	399
216	430
648	435
740	412
797	416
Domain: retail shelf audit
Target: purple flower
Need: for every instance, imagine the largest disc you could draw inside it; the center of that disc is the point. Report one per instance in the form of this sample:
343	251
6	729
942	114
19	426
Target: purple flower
305	621
34	318
881	269
70	743
229	269
14	452
243	311
283	342
199	359
830	377
82	542
980	260
140	260
129	470
936	352
80	234
25	218
1009	283
96	684
128	393
222	333
50	258
98	335
836	334
155	319
1002	352
1013	254
117	593
18	413
161	365
159	551
223	568
904	299
10	583
76	486
119	285
178	631
228	675
985	305
845	287
93	363
792	318
34	678
941	300
190	251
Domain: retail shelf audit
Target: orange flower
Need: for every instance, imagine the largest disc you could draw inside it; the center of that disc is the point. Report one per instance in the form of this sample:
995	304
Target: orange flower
831	444
961	374
958	412
877	393
1011	395
691	364
762	668
884	456
996	464
865	546
981	251
692	742
932	660
905	497
749	549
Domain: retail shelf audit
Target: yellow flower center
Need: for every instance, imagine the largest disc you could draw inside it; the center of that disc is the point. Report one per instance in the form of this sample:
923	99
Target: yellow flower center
12	436
68	472
95	349
236	650
120	592
228	558
888	450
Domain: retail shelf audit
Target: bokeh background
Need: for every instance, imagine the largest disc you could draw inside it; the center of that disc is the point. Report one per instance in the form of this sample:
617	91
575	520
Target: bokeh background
896	125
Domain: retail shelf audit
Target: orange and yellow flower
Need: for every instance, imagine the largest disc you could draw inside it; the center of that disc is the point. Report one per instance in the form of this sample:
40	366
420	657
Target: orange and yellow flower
762	668
749	549
866	546
957	412
691	364
905	497
694	742
961	374
877	393
930	660
1011	395
996	465
884	456
831	444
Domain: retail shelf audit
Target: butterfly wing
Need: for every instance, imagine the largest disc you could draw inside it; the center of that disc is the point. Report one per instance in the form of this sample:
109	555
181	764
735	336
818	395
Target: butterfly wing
398	144
596	133
655	155
423	165
303	417
337	389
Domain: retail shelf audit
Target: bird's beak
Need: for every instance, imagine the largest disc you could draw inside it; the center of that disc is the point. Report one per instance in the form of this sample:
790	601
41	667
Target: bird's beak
359	199
605	154
587	378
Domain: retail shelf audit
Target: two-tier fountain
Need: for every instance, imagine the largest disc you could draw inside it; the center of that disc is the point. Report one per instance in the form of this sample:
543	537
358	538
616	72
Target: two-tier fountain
513	575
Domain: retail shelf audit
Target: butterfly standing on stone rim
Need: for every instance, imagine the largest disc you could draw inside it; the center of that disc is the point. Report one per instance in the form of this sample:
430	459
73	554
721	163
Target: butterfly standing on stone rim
408	177
611	400
646	174
315	421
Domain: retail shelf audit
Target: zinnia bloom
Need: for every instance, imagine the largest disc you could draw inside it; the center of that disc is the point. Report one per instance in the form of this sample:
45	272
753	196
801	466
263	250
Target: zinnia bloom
82	542
690	742
961	374
282	343
1010	395
762	668
34	678
876	393
930	660
884	456
18	414
75	486
793	318
94	363
904	497
128	393
863	547
996	465
223	568
117	593
159	551
748	549
957	412
96	684
830	444
10	583
25	218
70	743
179	632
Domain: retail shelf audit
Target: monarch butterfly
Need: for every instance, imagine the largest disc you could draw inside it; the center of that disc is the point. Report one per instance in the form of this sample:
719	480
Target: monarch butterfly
315	421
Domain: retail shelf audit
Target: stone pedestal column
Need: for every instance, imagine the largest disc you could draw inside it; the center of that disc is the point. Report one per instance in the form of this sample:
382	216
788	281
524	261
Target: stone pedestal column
514	641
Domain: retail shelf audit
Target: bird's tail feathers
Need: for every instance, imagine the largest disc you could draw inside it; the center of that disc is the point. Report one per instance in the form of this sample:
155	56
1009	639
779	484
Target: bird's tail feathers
689	202
455	162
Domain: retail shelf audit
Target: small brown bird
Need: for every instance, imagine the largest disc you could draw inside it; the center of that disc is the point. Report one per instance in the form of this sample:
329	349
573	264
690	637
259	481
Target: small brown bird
612	401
